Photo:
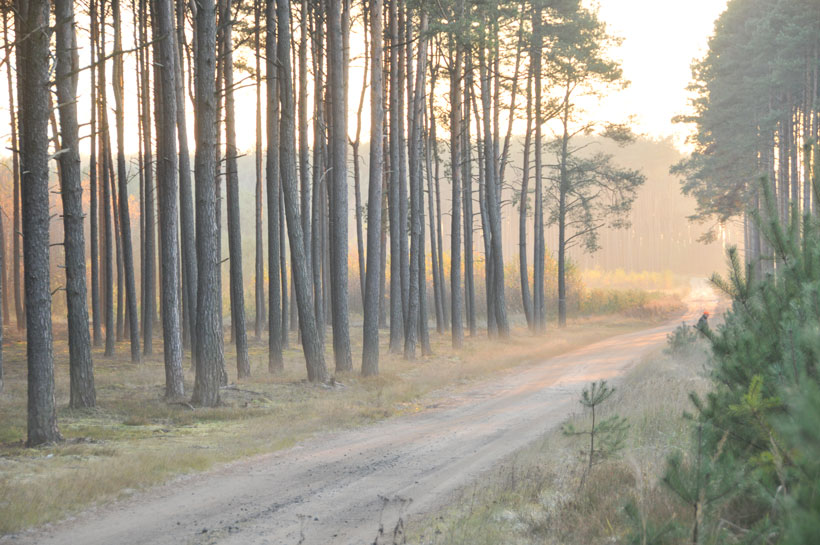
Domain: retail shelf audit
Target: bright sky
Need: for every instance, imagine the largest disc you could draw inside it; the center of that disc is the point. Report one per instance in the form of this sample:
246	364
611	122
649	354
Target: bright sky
661	38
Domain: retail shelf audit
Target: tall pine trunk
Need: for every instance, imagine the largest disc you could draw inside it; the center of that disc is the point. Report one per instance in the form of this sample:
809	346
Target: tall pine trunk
338	185
82	392
186	205
32	17
125	214
563	186
259	277
523	203
275	361
456	137
165	54
314	356
210	344
539	249
105	183
493	204
304	149
149	267
357	192
370	348
467	183
234	228
397	228
16	230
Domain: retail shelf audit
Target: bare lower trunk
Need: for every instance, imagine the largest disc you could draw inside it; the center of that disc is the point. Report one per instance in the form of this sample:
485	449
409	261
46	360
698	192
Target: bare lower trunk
108	238
539	309
32	68
275	361
259	277
492	194
125	214
81	369
186	205
15	174
237	286
467	183
401	43
523	203
165	54
456	136
149	298
396	226
304	148
314	356
338	185
370	349
210	344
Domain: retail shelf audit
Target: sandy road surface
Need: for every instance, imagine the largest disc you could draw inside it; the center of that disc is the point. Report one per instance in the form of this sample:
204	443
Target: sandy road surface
328	489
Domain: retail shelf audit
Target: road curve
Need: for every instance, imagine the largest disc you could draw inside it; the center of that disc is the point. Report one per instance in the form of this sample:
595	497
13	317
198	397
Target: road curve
329	489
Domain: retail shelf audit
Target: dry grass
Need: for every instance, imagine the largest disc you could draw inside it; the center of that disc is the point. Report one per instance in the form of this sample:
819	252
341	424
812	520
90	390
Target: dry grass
536	497
133	439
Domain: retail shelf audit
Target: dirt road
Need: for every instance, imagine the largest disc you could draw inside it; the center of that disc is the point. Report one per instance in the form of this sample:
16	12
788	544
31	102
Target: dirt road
329	489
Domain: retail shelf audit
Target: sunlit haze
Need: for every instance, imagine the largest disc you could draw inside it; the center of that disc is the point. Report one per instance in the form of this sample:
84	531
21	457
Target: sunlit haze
660	40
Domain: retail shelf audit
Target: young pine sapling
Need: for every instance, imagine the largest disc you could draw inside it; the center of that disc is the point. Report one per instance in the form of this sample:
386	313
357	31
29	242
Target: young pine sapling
607	436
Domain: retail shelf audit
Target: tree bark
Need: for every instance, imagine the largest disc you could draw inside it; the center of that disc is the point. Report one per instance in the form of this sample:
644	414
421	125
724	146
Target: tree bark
401	163
81	370
149	299
314	356
275	361
396	226
186	205
318	197
523	203
92	177
456	146
338	185
165	54
370	348
16	230
210	344
32	18
562	212
259	279
438	289
124	212
467	183
416	326
108	238
492	194
539	322
304	149
237	284
359	209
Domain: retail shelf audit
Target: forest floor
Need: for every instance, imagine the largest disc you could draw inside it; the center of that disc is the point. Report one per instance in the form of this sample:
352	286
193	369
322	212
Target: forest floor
134	440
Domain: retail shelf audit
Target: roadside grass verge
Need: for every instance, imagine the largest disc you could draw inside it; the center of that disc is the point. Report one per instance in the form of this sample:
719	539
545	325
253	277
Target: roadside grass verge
536	495
134	439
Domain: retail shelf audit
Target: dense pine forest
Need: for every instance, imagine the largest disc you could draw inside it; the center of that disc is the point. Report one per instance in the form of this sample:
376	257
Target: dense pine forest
123	86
